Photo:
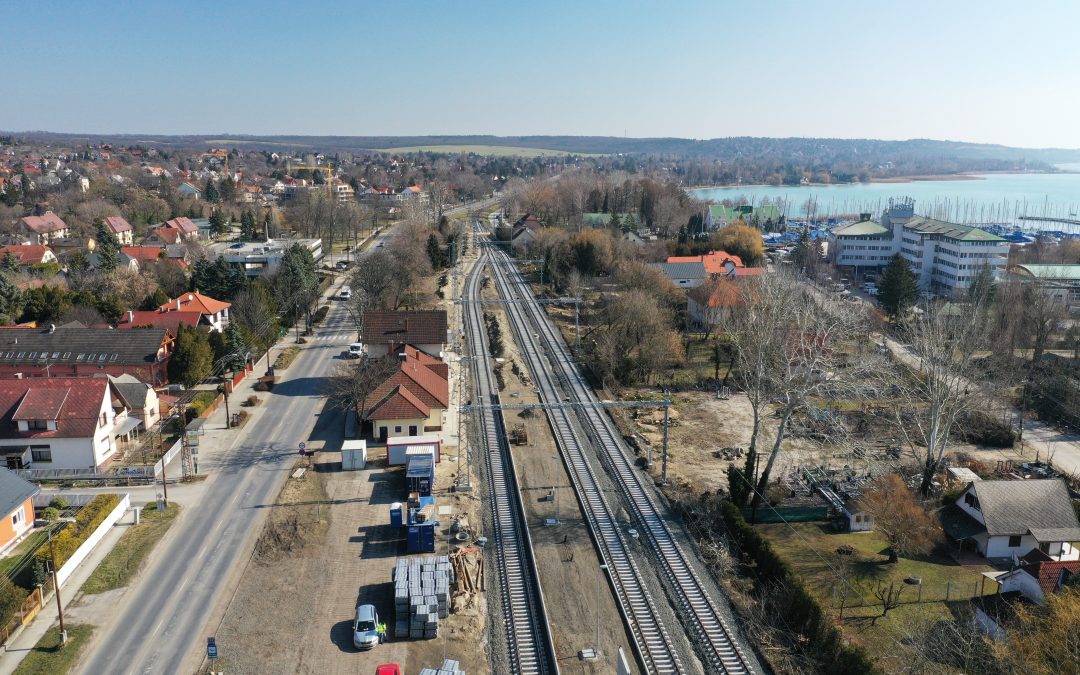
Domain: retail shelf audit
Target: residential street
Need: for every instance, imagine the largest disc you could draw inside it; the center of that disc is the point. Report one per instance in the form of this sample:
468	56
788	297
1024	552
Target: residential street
160	623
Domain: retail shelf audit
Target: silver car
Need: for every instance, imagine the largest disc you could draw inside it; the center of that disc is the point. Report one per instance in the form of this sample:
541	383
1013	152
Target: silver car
366	628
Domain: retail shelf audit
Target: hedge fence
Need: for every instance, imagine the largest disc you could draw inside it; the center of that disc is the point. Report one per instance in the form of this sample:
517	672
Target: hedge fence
86	521
802	612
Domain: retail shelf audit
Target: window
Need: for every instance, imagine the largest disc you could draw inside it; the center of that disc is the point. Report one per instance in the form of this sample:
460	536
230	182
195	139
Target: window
37	424
40	453
18	517
21	354
104	419
397	430
67	355
33	355
1014	541
80	357
102	357
412	430
971	500
56	355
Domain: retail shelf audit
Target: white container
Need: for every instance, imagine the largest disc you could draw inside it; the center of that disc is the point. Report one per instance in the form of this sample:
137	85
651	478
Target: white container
354	455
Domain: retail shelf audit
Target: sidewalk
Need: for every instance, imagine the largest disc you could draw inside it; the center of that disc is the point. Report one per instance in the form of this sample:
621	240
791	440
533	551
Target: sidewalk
74	611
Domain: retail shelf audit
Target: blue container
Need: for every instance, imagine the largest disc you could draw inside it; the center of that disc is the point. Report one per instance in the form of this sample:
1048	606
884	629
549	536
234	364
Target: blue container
421	538
396	519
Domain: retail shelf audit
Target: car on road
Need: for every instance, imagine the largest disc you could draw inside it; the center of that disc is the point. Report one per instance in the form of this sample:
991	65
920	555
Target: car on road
341	264
366	627
388	669
379	245
356	350
345	293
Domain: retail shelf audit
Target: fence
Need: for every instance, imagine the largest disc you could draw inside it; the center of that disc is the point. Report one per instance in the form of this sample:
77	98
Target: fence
159	466
913	594
28	609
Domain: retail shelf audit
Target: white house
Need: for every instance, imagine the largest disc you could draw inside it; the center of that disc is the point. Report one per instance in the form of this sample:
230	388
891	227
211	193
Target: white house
121	228
1007	519
141	399
62	423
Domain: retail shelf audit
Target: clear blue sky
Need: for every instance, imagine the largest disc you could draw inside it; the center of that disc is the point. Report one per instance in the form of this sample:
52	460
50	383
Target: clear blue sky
991	71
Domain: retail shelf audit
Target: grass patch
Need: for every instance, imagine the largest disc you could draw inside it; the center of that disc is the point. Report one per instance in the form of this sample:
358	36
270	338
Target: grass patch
699	364
28	545
49	658
492	150
810	549
286	357
122	563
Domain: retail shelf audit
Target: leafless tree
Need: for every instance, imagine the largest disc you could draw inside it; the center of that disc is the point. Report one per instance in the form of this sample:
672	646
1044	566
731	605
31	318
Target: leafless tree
888	596
934	377
352	383
254	311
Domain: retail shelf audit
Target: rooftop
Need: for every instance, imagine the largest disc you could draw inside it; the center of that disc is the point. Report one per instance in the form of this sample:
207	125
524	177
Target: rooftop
417	327
14	491
79	345
1017	507
925	225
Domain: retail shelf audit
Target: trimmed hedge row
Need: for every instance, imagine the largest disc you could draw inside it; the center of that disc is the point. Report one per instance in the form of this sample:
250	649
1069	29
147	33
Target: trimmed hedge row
86	521
802	612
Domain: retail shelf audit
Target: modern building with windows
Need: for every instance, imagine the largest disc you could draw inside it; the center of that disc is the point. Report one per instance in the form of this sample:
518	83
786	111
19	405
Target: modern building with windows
945	257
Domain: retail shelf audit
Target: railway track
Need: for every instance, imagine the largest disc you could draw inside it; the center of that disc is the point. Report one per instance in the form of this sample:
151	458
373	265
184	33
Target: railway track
531	649
559	381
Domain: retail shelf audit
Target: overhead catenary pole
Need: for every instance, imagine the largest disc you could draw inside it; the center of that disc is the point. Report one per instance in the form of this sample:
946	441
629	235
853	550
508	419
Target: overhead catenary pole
56	589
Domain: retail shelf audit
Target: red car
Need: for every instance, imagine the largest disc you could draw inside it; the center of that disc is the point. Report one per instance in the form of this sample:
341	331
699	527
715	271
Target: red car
388	669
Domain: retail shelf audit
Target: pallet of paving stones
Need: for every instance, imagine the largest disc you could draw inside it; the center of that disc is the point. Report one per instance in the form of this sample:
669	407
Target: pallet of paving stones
448	667
421	595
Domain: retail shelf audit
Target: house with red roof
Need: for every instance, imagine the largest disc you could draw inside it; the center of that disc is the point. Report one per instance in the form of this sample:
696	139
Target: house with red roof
31	254
173	231
386	331
44	228
155	318
413	400
121	228
62	422
213	313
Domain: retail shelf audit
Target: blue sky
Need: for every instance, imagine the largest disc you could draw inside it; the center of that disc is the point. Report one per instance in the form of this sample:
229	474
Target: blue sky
998	72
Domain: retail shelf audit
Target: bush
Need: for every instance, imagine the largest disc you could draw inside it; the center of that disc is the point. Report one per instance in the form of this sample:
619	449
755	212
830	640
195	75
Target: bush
320	314
72	536
50	514
252	400
58	503
982	428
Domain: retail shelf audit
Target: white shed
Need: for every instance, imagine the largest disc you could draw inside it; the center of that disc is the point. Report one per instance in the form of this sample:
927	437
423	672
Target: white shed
353	455
398	449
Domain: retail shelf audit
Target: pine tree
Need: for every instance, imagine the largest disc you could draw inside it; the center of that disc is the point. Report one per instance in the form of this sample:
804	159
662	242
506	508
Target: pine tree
10	262
898	289
218	224
211	192
237	347
434	252
247	225
227	189
11	299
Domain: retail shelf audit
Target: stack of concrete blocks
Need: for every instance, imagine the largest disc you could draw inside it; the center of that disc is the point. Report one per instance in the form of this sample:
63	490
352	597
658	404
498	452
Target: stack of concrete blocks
449	667
421	595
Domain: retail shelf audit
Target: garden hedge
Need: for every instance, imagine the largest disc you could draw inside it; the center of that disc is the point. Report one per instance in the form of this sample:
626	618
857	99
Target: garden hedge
86	521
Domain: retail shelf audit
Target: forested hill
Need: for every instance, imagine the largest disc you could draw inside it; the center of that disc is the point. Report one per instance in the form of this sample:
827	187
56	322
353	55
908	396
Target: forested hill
799	150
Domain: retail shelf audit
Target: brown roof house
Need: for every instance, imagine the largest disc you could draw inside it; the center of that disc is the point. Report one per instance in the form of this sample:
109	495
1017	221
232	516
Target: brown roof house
413	400
44	228
386	332
121	228
62	422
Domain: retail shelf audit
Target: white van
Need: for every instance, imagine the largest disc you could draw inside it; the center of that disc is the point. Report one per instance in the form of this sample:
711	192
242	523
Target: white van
345	293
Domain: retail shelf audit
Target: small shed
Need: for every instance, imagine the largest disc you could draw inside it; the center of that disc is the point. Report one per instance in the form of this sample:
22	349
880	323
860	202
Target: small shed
353	455
398	449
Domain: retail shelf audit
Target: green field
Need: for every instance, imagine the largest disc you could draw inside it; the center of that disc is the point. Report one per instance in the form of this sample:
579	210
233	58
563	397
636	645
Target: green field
496	150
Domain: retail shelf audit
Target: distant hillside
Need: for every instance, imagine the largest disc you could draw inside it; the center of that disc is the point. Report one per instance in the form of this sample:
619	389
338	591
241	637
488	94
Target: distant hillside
799	150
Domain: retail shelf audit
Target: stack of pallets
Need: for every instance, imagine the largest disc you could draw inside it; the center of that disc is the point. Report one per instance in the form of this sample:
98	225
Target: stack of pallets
449	667
421	595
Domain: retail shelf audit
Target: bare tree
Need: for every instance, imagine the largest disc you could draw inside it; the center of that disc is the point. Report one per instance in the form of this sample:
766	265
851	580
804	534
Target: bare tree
253	310
888	596
934	378
352	383
898	517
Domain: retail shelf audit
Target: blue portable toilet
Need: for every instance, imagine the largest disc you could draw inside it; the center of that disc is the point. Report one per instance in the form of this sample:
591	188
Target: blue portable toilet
396	519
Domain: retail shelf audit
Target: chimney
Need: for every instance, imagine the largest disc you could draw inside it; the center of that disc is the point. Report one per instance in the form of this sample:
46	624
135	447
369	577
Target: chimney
131	316
178	304
52	328
18	376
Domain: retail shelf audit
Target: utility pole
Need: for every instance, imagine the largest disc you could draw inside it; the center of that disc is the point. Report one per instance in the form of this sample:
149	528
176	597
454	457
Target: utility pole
56	589
226	387
663	466
164	480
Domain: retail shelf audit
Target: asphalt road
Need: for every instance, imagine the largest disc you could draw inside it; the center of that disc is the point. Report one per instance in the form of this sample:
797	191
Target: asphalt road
161	625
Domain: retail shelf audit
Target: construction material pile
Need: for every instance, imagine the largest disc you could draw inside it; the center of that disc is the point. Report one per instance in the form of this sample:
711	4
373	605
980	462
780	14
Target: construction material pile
449	667
421	595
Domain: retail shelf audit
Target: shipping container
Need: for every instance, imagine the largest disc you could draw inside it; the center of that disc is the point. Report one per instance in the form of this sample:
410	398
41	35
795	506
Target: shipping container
420	475
353	455
398	447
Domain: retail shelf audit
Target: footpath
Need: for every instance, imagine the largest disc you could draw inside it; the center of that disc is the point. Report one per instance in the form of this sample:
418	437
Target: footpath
215	442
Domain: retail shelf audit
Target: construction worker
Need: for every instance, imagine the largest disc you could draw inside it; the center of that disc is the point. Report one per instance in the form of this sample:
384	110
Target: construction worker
381	628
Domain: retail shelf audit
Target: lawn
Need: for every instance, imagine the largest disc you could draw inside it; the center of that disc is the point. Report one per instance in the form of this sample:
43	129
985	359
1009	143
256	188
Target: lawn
48	658
491	150
28	545
123	562
810	548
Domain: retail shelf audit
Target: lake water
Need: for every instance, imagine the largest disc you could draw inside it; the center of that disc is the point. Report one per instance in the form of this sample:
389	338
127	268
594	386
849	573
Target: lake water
992	198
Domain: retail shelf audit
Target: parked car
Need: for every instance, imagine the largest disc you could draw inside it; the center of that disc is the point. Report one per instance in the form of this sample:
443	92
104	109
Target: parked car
366	627
345	293
356	350
388	669
341	264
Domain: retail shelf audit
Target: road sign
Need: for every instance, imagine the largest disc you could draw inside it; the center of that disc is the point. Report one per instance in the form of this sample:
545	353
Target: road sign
211	648
303	445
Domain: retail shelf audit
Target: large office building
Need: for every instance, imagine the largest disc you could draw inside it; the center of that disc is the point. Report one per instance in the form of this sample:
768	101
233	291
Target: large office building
945	257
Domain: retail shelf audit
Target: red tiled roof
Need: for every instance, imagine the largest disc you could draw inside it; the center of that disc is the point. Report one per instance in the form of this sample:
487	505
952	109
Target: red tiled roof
28	255
183	225
117	224
143	253
713	261
158	319
1046	570
50	222
434	364
77	415
424	383
168	235
399	404
195	302
397	328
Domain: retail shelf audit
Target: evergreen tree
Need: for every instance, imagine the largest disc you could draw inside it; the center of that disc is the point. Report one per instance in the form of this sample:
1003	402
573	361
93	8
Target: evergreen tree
192	358
227	188
218	224
210	192
108	247
11	298
247	225
982	286
615	223
10	262
236	347
434	252
154	300
898	288
297	283
77	263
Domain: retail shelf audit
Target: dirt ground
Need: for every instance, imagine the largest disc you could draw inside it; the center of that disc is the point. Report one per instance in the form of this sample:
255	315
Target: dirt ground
565	554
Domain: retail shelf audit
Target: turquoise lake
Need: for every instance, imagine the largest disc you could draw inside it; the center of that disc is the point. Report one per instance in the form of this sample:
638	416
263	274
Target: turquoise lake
991	198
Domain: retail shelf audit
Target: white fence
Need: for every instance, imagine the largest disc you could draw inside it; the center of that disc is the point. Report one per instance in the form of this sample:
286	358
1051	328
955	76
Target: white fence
80	554
167	457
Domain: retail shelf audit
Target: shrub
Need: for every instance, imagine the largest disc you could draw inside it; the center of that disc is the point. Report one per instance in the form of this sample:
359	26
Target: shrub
58	503
982	428
252	400
86	521
50	514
